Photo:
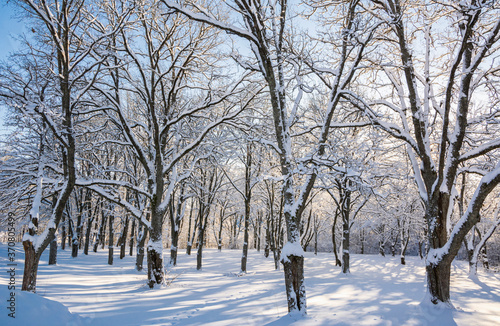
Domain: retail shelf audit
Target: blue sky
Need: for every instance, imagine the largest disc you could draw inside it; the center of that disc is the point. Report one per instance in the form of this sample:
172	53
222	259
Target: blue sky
9	26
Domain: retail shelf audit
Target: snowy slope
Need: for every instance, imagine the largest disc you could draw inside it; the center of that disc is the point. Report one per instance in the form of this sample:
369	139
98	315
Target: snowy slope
379	291
33	309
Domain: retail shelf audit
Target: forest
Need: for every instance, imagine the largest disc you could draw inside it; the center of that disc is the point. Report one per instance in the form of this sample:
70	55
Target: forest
148	128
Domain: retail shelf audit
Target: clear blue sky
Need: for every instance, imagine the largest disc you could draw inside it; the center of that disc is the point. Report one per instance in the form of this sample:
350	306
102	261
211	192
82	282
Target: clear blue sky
9	26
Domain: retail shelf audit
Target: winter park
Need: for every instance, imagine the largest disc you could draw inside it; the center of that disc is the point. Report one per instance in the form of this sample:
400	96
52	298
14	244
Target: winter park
250	162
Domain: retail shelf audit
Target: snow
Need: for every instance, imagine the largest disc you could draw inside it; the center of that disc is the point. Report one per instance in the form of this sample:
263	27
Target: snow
49	311
291	249
379	291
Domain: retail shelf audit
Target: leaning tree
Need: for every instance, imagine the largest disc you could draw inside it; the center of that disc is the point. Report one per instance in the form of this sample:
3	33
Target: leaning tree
436	78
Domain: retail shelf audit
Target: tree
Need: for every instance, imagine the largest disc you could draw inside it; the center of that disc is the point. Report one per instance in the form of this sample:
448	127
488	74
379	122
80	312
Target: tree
246	194
437	102
176	96
265	28
208	182
52	93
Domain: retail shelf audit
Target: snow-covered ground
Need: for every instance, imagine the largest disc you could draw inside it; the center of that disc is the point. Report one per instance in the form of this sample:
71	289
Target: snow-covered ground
379	291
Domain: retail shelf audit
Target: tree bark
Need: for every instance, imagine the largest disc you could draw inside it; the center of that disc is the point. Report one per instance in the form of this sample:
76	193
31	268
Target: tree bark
132	237
110	239
155	263
201	239
334	240
53	251
63	234
189	238
87	237
31	262
293	267
123	238
156	271
438	281
100	234
141	241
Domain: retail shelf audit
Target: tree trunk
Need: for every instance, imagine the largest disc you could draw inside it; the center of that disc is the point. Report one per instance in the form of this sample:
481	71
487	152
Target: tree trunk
404	246
381	248
132	237
63	235
201	239
110	240
345	245
123	238
30	267
156	271
175	242
199	254
76	236
155	263
438	281
259	228
176	216
362	239
315	242
245	242
268	239
293	267
53	251
486	264
334	240
189	239
87	237
219	235
100	234
141	241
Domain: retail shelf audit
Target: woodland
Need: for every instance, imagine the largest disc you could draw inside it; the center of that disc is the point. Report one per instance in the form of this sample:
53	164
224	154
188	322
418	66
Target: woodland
148	127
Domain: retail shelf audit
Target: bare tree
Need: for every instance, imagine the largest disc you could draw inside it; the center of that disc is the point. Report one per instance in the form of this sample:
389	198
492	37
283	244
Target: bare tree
64	42
434	105
265	28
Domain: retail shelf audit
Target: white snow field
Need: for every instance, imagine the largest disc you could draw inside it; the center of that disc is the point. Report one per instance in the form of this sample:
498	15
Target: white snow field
379	291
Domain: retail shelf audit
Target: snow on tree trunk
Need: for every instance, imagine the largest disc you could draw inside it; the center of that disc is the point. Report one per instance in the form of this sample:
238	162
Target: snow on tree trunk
155	261
345	250
334	239
175	242
141	241
245	241
293	267
346	211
